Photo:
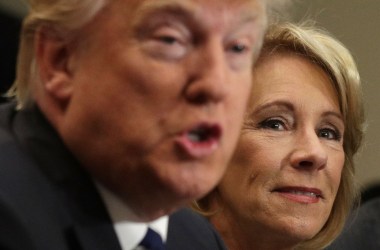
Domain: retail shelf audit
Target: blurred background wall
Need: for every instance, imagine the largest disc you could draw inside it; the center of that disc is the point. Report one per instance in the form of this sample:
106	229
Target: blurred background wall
354	22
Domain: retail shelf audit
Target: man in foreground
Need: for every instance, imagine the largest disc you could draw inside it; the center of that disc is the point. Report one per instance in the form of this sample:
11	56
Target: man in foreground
126	111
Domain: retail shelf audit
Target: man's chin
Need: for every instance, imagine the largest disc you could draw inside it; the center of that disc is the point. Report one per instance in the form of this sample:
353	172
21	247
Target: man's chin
173	193
153	214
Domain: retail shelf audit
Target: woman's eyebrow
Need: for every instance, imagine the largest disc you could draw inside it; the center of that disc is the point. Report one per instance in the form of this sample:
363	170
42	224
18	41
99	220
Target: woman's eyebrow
337	115
278	104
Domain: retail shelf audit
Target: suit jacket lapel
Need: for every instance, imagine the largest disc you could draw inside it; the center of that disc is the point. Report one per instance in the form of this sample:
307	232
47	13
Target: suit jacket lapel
91	228
98	237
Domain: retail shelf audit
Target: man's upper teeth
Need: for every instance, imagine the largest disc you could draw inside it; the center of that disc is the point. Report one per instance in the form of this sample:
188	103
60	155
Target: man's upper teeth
193	136
198	135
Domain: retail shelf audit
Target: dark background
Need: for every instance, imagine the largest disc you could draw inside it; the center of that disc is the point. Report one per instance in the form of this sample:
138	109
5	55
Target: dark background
9	36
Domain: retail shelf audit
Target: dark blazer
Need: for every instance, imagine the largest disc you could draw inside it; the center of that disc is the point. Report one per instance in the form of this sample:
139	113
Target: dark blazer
48	202
362	231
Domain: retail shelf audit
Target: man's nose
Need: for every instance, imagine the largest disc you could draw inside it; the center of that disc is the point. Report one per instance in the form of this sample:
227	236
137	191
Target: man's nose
209	75
309	153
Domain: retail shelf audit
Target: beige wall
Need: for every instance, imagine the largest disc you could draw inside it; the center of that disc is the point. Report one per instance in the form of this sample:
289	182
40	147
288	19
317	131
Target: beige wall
357	24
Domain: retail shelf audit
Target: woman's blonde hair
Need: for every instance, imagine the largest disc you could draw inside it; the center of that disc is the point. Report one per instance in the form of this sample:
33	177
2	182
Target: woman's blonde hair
334	58
64	18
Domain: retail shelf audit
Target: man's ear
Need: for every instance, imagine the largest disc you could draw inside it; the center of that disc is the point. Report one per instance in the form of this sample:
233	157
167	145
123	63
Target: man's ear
54	59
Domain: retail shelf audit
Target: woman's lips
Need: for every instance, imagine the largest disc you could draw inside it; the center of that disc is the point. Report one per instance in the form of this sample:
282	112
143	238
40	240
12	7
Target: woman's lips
300	194
201	140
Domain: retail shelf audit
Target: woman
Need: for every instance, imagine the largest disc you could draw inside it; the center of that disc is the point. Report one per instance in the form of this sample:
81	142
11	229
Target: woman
290	184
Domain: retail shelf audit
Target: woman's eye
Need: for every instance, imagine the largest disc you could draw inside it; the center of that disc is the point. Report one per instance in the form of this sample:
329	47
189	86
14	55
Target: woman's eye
329	134
273	124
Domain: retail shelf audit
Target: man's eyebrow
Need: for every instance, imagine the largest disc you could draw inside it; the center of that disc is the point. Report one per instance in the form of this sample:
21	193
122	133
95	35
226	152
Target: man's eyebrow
183	10
154	8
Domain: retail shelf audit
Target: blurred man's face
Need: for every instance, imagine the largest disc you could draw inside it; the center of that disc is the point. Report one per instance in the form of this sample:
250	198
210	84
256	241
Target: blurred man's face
159	95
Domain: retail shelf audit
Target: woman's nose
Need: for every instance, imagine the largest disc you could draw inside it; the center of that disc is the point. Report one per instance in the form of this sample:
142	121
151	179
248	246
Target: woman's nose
309	152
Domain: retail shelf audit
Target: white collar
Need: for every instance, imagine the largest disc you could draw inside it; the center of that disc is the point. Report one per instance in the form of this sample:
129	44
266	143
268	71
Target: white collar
128	232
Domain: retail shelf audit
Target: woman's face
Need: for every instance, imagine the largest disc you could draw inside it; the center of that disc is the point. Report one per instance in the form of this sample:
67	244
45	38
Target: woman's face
285	174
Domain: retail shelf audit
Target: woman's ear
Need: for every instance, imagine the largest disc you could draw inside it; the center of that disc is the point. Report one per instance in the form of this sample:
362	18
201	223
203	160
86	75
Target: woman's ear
54	56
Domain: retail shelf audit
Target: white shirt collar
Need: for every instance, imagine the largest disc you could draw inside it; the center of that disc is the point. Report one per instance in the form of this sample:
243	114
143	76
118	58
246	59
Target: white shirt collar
128	232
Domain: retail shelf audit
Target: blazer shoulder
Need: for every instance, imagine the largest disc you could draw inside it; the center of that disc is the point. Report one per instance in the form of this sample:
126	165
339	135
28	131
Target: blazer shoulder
362	230
190	231
27	203
7	111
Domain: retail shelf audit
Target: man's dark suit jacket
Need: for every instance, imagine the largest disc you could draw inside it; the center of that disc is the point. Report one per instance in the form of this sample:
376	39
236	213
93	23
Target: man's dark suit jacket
48	202
362	231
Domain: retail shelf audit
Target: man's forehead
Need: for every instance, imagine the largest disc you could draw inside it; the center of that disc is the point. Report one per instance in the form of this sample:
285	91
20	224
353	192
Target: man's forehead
246	8
193	4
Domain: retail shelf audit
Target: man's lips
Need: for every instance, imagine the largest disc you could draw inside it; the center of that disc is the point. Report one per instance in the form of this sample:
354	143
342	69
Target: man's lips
201	140
300	194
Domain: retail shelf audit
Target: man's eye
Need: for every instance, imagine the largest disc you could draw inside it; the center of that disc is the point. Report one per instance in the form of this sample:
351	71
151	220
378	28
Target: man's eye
273	124
166	43
167	39
238	48
168	35
329	134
